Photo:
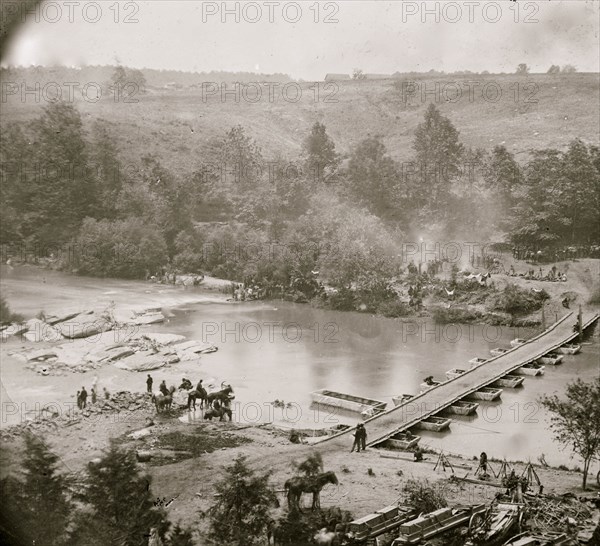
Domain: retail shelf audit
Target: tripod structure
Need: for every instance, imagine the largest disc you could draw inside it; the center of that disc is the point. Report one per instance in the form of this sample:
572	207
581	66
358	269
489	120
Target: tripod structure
505	470
443	462
531	475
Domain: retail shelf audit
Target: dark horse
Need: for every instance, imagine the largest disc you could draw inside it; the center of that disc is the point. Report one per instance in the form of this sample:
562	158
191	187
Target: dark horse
220	412
294	488
223	396
195	395
163	401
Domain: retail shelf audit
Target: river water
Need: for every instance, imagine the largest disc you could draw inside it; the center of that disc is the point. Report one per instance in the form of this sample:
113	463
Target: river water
281	351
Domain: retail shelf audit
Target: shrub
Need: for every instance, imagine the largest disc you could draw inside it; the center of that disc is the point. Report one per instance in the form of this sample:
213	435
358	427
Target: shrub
423	497
6	315
127	249
393	309
441	315
517	301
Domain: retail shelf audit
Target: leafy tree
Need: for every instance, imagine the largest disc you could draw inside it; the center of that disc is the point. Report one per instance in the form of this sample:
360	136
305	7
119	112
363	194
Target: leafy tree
438	155
180	536
580	192
576	420
16	175
121	248
190	251
108	170
318	151
125	78
40	507
357	74
373	178
241	515
65	193
502	174
569	69
554	69
121	508
312	465
522	69
537	207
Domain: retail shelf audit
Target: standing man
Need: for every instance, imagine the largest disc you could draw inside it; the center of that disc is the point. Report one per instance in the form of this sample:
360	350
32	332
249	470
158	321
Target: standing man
149	382
357	436
79	399
83	397
363	437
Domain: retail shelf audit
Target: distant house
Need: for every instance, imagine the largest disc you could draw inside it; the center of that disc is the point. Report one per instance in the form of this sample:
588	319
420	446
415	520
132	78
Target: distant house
336	77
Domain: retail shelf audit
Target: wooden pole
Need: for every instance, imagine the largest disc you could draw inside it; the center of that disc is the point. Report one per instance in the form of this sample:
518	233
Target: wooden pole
580	324
543	317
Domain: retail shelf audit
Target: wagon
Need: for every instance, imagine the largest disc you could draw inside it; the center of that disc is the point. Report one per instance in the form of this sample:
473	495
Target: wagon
381	521
498	351
435	523
517	342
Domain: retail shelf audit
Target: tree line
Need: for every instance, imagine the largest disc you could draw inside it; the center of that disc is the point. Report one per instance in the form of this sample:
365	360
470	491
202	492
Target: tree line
62	184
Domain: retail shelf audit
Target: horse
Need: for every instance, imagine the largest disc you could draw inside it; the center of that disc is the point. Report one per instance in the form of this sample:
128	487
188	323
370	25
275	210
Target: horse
295	487
220	412
194	394
162	401
224	395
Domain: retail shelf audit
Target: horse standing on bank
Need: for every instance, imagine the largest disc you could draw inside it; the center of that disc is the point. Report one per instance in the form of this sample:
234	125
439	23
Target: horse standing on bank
163	401
295	487
197	393
223	396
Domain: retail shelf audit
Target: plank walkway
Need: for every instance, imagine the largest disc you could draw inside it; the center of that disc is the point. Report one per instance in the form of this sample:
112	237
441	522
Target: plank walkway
403	417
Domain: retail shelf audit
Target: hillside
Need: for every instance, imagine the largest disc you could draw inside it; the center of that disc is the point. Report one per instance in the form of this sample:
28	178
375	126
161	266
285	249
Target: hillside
178	126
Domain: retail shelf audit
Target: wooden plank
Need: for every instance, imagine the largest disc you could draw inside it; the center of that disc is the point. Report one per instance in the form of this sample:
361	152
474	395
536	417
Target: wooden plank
424	460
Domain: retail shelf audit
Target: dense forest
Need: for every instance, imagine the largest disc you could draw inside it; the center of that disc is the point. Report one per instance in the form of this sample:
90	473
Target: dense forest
242	214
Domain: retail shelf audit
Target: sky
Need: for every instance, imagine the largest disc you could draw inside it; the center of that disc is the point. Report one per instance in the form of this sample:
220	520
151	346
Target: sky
307	39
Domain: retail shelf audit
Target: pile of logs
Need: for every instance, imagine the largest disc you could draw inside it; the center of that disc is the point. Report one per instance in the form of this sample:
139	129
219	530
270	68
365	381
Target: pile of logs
553	512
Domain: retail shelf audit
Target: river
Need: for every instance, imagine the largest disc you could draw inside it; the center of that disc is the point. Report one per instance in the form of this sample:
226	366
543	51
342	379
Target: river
278	350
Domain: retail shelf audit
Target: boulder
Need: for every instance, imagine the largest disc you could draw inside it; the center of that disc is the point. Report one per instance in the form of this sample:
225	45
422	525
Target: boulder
38	330
163	339
85	325
142	361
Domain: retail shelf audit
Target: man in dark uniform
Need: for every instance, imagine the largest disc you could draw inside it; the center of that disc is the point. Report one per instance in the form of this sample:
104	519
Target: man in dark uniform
363	437
149	382
163	388
83	397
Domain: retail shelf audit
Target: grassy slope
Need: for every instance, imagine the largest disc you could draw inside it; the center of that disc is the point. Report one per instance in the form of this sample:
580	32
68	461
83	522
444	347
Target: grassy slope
162	122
